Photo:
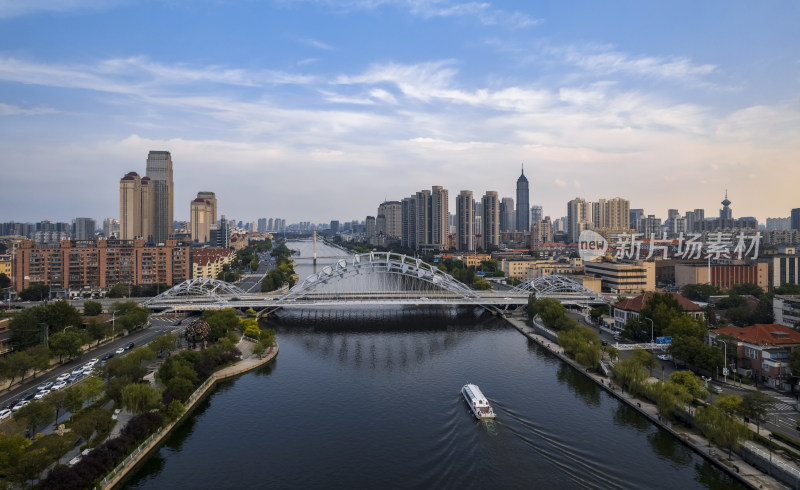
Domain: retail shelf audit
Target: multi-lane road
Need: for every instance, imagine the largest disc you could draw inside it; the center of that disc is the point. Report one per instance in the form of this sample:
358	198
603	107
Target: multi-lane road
156	326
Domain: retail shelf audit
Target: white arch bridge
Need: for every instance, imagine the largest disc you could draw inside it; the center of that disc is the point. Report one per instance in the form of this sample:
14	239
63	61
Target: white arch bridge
376	278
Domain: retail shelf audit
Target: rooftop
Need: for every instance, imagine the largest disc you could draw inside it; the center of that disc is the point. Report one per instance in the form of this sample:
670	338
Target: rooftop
762	334
636	304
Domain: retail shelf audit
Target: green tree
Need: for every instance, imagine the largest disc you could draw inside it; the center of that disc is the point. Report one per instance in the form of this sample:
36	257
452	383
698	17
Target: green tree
794	362
720	428
671	398
140	397
40	358
118	291
757	405
174	410
630	375
662	309
92	388
745	289
693	384
259	348
57	400
30	466
60	315
12	447
21	363
645	359
731	405
163	343
788	288
5	281
221	321
74	399
583	343
35	292
686	326
24	326
85	423
699	292
66	344
97	330
92	308
35	414
251	328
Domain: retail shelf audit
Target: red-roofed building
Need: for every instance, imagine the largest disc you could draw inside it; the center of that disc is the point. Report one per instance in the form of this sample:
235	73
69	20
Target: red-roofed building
632	308
762	351
208	262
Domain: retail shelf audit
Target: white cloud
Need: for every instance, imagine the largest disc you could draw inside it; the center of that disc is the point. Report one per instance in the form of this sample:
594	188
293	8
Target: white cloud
316	44
11	110
16	8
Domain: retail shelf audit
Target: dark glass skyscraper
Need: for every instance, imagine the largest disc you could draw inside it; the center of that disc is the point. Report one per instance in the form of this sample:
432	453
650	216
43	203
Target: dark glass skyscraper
523	204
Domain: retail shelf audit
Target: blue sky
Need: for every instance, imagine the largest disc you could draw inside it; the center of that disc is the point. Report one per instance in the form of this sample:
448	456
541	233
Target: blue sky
321	109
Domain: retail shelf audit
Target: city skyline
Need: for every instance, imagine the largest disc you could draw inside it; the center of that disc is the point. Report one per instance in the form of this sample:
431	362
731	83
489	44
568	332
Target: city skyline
595	101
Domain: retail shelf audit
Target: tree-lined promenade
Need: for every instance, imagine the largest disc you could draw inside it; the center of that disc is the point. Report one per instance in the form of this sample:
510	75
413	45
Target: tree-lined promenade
90	406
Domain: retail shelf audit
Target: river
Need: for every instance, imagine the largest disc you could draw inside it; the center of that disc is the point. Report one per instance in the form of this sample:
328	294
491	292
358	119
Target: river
381	408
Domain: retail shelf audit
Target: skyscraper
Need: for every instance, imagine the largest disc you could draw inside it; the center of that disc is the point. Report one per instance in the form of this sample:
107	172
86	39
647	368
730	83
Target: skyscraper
439	213
465	221
523	203
84	229
796	219
130	206
726	213
159	170
203	214
409	222
393	219
579	218
536	214
491	220
507	217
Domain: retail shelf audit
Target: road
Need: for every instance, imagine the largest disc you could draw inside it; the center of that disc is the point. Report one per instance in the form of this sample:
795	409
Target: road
157	326
251	283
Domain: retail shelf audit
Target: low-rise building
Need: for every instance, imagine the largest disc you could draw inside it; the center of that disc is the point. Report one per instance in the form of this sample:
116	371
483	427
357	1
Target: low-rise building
209	262
786	310
624	277
632	308
76	264
531	269
5	265
722	276
762	352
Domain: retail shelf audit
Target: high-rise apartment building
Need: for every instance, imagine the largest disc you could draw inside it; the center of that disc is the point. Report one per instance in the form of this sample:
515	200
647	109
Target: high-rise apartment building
508	221
795	219
83	229
439	213
579	218
523	203
465	221
130	206
392	223
409	222
491	220
159	170
370	227
536	214
202	214
111	228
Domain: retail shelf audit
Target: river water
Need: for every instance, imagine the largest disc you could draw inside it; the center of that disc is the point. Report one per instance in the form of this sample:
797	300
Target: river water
381	408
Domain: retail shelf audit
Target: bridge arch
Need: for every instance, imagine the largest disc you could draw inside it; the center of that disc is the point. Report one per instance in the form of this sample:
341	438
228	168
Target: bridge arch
556	285
364	271
203	289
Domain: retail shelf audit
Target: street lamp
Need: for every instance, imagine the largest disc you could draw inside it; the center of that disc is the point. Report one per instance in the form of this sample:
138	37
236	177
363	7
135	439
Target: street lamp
651	331
68	326
725	367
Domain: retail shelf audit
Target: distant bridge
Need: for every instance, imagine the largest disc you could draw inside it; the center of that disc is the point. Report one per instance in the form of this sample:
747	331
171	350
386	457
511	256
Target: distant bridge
376	278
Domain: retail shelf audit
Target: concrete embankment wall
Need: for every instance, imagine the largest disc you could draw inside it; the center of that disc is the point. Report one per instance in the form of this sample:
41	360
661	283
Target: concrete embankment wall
140	454
548	340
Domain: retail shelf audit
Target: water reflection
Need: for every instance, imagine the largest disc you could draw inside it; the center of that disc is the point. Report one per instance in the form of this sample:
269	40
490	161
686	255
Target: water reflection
579	384
628	417
665	444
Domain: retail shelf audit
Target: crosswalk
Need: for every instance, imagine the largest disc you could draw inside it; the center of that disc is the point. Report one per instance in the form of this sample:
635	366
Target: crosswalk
783	403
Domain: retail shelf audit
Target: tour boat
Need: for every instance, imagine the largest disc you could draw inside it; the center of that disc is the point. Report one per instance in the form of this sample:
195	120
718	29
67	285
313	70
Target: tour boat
477	402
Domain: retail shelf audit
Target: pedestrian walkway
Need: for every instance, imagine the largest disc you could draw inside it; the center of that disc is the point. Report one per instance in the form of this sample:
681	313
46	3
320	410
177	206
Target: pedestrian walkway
735	466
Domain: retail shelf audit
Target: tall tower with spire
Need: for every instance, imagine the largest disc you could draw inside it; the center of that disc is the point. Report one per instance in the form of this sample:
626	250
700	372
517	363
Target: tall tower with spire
523	203
726	212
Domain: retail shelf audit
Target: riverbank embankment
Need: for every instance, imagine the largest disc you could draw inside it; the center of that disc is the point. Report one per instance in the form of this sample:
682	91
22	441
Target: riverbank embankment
751	472
248	362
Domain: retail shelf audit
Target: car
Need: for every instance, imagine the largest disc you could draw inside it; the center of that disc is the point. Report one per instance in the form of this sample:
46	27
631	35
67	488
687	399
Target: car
77	371
63	377
41	394
715	389
74	461
665	357
59	385
119	351
176	322
74	378
26	397
5	413
44	386
92	362
19	405
89	372
11	403
116	414
108	355
129	346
